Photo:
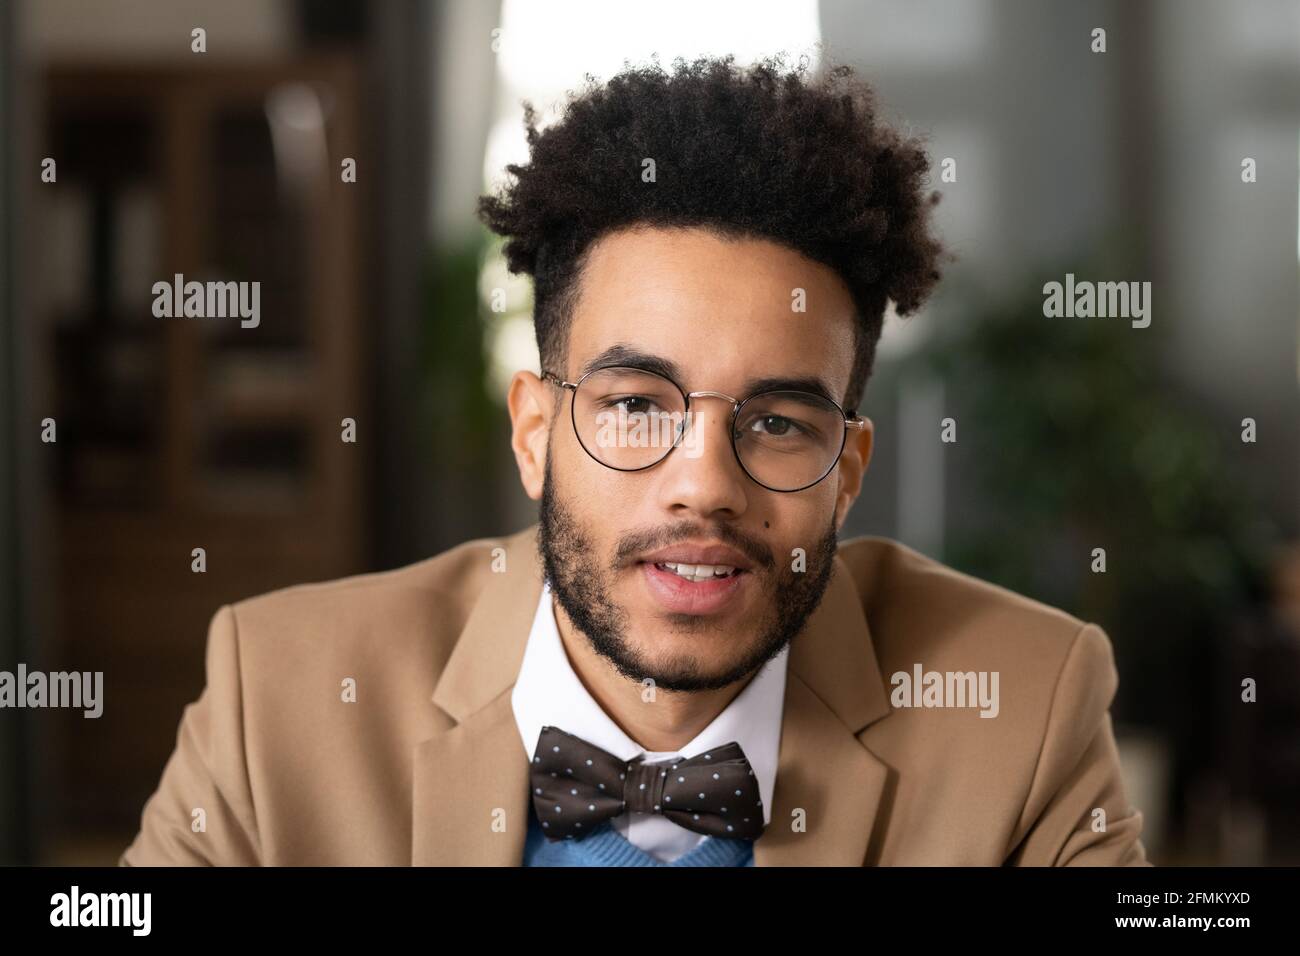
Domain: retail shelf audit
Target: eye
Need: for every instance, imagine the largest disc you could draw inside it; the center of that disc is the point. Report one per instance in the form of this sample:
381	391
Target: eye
778	426
631	404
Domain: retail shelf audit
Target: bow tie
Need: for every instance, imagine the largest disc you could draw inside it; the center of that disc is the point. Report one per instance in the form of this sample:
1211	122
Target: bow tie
577	786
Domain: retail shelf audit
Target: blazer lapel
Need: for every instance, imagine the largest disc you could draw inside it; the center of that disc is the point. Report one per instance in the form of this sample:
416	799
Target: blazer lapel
828	784
470	782
471	793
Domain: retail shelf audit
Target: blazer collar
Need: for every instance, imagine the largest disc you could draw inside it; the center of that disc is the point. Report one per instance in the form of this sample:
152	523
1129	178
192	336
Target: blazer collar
470	788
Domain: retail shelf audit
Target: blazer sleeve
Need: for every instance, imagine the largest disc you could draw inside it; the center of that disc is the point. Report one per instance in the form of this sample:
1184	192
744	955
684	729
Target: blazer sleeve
206	772
1078	772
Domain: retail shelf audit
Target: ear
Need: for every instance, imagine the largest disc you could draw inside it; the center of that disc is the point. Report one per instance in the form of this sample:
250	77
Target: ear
530	416
854	461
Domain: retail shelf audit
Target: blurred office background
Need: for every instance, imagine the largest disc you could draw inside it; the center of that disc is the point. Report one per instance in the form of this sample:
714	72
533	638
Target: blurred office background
174	434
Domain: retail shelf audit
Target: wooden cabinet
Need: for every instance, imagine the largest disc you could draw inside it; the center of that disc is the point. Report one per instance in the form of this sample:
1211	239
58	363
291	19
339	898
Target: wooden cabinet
192	432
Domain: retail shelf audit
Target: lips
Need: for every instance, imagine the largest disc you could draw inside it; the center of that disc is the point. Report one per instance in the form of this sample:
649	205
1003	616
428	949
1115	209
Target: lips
675	594
697	572
695	578
699	555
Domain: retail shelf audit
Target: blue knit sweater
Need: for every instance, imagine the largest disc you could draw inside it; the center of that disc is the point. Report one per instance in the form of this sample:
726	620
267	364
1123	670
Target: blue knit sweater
605	846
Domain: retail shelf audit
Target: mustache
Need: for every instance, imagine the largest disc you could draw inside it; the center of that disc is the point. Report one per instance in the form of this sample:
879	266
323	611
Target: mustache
638	542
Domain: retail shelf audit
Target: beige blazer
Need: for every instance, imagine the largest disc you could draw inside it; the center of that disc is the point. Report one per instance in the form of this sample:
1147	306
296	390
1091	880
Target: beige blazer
275	765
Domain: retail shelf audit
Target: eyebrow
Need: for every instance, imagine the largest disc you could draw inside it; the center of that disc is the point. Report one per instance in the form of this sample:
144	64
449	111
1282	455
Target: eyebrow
632	357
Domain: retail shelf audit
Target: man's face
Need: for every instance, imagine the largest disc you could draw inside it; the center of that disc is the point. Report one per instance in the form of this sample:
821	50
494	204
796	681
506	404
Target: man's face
721	312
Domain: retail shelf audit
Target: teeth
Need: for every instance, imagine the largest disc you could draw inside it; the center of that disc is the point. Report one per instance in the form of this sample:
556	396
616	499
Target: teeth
698	572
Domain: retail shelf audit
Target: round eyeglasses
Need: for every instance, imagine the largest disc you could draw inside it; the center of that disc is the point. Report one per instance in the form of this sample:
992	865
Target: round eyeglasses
630	419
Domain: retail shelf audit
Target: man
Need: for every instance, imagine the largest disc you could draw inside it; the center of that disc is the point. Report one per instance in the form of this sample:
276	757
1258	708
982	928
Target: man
680	664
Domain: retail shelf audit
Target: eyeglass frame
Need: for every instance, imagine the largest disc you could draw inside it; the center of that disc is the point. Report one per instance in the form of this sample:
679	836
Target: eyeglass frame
855	422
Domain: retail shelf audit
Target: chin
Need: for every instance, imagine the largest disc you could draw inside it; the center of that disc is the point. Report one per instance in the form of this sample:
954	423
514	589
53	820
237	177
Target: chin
728	627
701	648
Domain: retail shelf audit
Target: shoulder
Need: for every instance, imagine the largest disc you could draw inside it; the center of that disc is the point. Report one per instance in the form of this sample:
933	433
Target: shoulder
449	580
406	619
892	577
954	649
922	611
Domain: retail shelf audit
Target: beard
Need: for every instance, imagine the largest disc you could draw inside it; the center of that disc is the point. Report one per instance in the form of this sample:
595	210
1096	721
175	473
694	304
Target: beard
581	583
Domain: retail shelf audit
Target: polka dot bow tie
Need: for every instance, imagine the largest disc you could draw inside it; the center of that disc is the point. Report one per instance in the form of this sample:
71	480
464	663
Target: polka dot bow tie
577	786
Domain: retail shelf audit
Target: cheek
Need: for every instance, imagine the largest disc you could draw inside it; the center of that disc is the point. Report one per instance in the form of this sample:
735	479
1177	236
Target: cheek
797	524
805	513
603	499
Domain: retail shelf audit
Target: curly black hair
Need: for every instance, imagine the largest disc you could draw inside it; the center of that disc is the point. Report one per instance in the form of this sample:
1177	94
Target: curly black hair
747	152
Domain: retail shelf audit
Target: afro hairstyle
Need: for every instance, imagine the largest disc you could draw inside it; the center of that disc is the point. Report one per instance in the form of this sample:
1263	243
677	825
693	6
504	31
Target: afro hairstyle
760	152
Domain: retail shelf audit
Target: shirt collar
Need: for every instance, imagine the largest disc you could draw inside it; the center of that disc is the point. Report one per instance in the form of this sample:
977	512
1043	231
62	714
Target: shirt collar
548	692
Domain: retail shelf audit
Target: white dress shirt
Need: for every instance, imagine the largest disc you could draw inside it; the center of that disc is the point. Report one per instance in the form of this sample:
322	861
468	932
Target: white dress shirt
548	692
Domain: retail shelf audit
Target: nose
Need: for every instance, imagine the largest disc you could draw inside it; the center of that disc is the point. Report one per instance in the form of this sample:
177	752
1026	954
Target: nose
702	475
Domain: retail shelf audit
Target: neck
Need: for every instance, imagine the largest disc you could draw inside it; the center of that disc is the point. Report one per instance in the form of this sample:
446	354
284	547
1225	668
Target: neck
666	723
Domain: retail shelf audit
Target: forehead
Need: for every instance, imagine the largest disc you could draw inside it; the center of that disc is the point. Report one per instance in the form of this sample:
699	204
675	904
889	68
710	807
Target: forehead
725	311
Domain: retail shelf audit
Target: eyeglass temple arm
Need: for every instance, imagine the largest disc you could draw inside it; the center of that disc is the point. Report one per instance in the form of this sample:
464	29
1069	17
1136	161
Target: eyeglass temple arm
551	377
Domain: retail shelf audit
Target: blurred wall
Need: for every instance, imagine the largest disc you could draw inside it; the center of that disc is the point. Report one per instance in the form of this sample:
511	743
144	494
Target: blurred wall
146	29
1227	80
13	585
1062	150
